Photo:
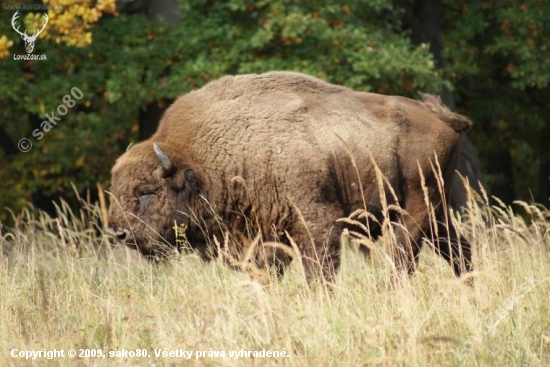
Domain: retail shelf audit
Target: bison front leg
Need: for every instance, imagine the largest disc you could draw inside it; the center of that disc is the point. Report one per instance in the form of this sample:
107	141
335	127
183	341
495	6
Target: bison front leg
320	254
271	256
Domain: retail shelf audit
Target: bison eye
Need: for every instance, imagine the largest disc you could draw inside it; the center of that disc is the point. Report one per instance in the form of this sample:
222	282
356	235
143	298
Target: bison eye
145	191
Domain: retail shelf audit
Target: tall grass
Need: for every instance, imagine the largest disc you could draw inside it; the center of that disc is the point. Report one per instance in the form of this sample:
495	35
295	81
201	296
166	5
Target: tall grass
62	286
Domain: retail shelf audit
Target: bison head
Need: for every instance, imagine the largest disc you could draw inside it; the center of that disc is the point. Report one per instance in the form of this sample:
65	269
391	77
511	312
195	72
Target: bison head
150	191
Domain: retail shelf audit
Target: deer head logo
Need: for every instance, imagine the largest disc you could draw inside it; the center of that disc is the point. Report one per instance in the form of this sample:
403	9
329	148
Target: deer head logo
29	40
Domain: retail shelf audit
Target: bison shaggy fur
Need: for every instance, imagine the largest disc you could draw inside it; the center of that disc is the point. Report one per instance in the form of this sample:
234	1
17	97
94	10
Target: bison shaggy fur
283	156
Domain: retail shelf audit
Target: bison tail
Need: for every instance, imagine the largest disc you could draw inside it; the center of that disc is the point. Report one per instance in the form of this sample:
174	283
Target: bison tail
434	105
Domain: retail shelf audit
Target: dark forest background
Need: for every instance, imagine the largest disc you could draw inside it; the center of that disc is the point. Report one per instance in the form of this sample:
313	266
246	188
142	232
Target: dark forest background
490	60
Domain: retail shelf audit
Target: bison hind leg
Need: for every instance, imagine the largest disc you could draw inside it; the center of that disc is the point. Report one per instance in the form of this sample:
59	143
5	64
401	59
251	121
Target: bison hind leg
454	249
409	227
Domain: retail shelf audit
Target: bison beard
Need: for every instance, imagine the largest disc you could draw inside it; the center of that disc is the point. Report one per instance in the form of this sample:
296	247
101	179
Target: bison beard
284	156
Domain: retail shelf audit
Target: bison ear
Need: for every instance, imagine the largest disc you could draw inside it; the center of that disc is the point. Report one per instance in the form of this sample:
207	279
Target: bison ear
188	180
191	178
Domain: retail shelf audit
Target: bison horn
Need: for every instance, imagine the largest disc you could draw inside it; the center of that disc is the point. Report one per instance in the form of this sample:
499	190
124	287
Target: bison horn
167	166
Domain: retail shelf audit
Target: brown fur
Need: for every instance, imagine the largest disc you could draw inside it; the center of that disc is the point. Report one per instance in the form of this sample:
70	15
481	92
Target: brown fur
277	153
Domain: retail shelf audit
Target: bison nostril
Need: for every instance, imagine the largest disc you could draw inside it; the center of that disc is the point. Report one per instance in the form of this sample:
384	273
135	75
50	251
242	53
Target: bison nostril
121	234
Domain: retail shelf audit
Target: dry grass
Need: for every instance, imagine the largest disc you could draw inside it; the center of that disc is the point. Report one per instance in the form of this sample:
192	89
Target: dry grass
62	287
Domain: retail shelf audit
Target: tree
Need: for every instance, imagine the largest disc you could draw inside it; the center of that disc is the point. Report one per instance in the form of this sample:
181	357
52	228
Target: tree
489	57
135	61
498	63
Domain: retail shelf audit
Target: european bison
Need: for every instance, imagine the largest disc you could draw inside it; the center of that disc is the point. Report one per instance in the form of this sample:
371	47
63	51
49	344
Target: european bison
284	155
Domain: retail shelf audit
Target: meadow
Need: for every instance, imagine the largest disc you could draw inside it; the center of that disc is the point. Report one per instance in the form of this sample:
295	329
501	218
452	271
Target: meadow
63	285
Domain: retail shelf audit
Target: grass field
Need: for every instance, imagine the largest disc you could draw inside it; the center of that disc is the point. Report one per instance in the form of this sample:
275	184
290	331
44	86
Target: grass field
63	287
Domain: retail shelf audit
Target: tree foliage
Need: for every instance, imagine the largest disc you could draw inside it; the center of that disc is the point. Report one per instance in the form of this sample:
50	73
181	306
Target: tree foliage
125	63
134	61
499	65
